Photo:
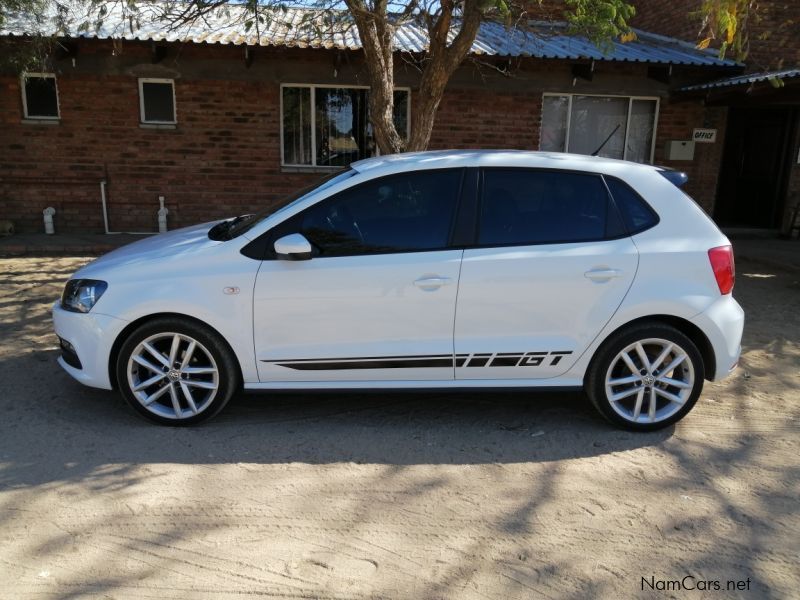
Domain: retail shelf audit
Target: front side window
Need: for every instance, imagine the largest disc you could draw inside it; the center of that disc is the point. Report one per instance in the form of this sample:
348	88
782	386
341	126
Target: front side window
40	96
329	126
611	126
157	101
524	207
399	213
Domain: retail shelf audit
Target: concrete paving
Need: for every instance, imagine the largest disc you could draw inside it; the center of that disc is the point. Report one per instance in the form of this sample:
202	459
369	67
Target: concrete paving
86	244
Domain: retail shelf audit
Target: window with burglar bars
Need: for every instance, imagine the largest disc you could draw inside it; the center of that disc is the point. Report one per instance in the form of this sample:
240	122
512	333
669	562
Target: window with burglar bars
328	126
611	126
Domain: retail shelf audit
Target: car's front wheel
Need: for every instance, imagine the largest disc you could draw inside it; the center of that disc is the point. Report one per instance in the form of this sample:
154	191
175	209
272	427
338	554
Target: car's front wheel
176	372
646	377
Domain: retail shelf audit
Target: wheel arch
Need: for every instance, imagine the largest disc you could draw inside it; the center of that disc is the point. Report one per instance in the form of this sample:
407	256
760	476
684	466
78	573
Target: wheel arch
689	329
133	325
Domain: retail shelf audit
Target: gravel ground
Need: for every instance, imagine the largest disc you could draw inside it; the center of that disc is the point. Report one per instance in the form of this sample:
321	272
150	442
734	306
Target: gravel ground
396	495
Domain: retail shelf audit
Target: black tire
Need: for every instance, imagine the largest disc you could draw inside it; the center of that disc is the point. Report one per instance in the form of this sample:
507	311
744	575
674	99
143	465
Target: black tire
595	381
210	352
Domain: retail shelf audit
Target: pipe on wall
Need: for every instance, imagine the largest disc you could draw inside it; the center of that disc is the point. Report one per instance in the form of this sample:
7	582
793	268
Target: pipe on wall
105	215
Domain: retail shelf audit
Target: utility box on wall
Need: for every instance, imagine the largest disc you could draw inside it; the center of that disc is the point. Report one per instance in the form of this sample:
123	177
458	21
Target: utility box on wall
679	150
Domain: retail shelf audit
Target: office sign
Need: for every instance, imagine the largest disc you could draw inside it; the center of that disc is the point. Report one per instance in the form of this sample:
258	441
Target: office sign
705	136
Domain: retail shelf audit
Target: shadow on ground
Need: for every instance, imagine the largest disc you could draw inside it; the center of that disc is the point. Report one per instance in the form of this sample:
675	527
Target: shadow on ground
61	422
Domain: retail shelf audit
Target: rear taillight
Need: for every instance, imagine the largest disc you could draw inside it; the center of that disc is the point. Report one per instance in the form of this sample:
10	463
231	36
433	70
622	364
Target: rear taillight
724	270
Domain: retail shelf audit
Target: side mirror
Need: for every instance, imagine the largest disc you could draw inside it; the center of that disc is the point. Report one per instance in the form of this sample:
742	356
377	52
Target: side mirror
293	247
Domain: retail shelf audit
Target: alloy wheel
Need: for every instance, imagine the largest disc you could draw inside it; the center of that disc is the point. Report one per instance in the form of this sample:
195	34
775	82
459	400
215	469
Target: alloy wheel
649	380
173	375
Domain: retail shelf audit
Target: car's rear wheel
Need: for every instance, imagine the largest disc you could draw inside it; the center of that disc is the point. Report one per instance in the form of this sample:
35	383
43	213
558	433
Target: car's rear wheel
646	377
176	372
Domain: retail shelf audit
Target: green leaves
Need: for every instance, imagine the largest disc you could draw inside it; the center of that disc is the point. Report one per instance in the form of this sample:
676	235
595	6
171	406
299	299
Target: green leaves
725	20
602	21
776	82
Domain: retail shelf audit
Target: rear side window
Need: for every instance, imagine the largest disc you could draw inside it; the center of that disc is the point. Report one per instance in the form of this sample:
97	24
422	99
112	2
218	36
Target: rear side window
524	206
636	213
399	213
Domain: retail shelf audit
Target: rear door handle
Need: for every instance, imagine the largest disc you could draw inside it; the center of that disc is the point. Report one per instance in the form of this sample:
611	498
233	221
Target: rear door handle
602	274
433	282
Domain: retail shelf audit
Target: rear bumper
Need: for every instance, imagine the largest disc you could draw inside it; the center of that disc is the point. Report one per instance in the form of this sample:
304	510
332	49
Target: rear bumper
86	344
723	324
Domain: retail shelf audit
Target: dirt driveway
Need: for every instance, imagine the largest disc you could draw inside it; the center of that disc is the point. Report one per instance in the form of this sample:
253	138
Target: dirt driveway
396	496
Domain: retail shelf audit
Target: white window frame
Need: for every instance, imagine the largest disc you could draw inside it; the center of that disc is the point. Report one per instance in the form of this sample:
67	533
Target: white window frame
630	99
22	80
313	87
142	81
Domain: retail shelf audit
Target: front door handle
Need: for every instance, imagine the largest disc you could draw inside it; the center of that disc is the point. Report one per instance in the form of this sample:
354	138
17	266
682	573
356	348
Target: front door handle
432	282
602	274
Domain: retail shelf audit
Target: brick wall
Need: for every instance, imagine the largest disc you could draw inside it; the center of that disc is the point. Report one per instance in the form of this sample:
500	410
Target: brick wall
676	122
543	10
223	158
774	28
676	18
775	35
487	119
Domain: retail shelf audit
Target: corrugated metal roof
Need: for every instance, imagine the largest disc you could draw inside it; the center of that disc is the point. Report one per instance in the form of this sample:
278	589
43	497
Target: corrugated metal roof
305	28
744	80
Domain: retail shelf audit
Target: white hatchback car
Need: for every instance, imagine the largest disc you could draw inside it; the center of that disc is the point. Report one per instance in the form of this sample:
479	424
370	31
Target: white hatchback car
462	269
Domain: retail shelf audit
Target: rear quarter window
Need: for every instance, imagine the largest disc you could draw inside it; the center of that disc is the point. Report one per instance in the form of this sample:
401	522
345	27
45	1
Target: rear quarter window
636	213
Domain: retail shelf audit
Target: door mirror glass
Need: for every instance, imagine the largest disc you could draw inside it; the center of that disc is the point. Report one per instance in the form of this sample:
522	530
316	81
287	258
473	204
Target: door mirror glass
293	247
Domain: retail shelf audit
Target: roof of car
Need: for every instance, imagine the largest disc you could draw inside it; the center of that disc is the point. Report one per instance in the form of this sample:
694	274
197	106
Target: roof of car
439	159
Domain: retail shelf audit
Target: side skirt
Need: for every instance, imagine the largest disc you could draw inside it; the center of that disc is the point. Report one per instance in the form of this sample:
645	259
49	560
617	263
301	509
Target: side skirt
462	385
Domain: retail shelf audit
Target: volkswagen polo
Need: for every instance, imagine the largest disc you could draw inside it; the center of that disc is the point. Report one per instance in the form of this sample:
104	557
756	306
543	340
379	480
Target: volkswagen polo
425	270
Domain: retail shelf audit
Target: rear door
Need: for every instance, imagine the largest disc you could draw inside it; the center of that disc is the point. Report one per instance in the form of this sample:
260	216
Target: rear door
552	265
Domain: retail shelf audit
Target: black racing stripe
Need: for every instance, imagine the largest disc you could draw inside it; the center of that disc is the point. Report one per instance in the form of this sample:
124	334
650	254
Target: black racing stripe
479	360
344	358
506	360
384	363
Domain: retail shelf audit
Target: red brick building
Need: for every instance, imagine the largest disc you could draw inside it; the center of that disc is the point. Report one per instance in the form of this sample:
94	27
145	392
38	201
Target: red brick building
219	124
759	166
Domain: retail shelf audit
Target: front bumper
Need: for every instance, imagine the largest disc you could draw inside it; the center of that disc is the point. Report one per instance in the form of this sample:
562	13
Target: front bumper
86	341
723	324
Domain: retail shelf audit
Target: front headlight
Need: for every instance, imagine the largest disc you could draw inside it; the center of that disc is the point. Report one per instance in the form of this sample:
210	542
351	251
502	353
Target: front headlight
80	295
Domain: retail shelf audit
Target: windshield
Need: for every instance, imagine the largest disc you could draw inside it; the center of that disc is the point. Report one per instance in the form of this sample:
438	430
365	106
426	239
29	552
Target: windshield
237	226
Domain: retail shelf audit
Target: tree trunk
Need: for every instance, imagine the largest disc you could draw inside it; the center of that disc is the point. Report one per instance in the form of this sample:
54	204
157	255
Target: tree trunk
426	103
444	60
377	39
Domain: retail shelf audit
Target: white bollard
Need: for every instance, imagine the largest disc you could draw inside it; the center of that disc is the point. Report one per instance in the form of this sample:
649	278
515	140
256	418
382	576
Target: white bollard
48	212
162	216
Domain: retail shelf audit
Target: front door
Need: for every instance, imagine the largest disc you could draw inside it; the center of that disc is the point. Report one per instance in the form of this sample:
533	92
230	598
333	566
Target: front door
552	267
377	300
753	174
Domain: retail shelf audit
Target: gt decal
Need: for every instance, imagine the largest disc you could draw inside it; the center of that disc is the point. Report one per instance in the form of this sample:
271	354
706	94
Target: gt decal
499	359
517	359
